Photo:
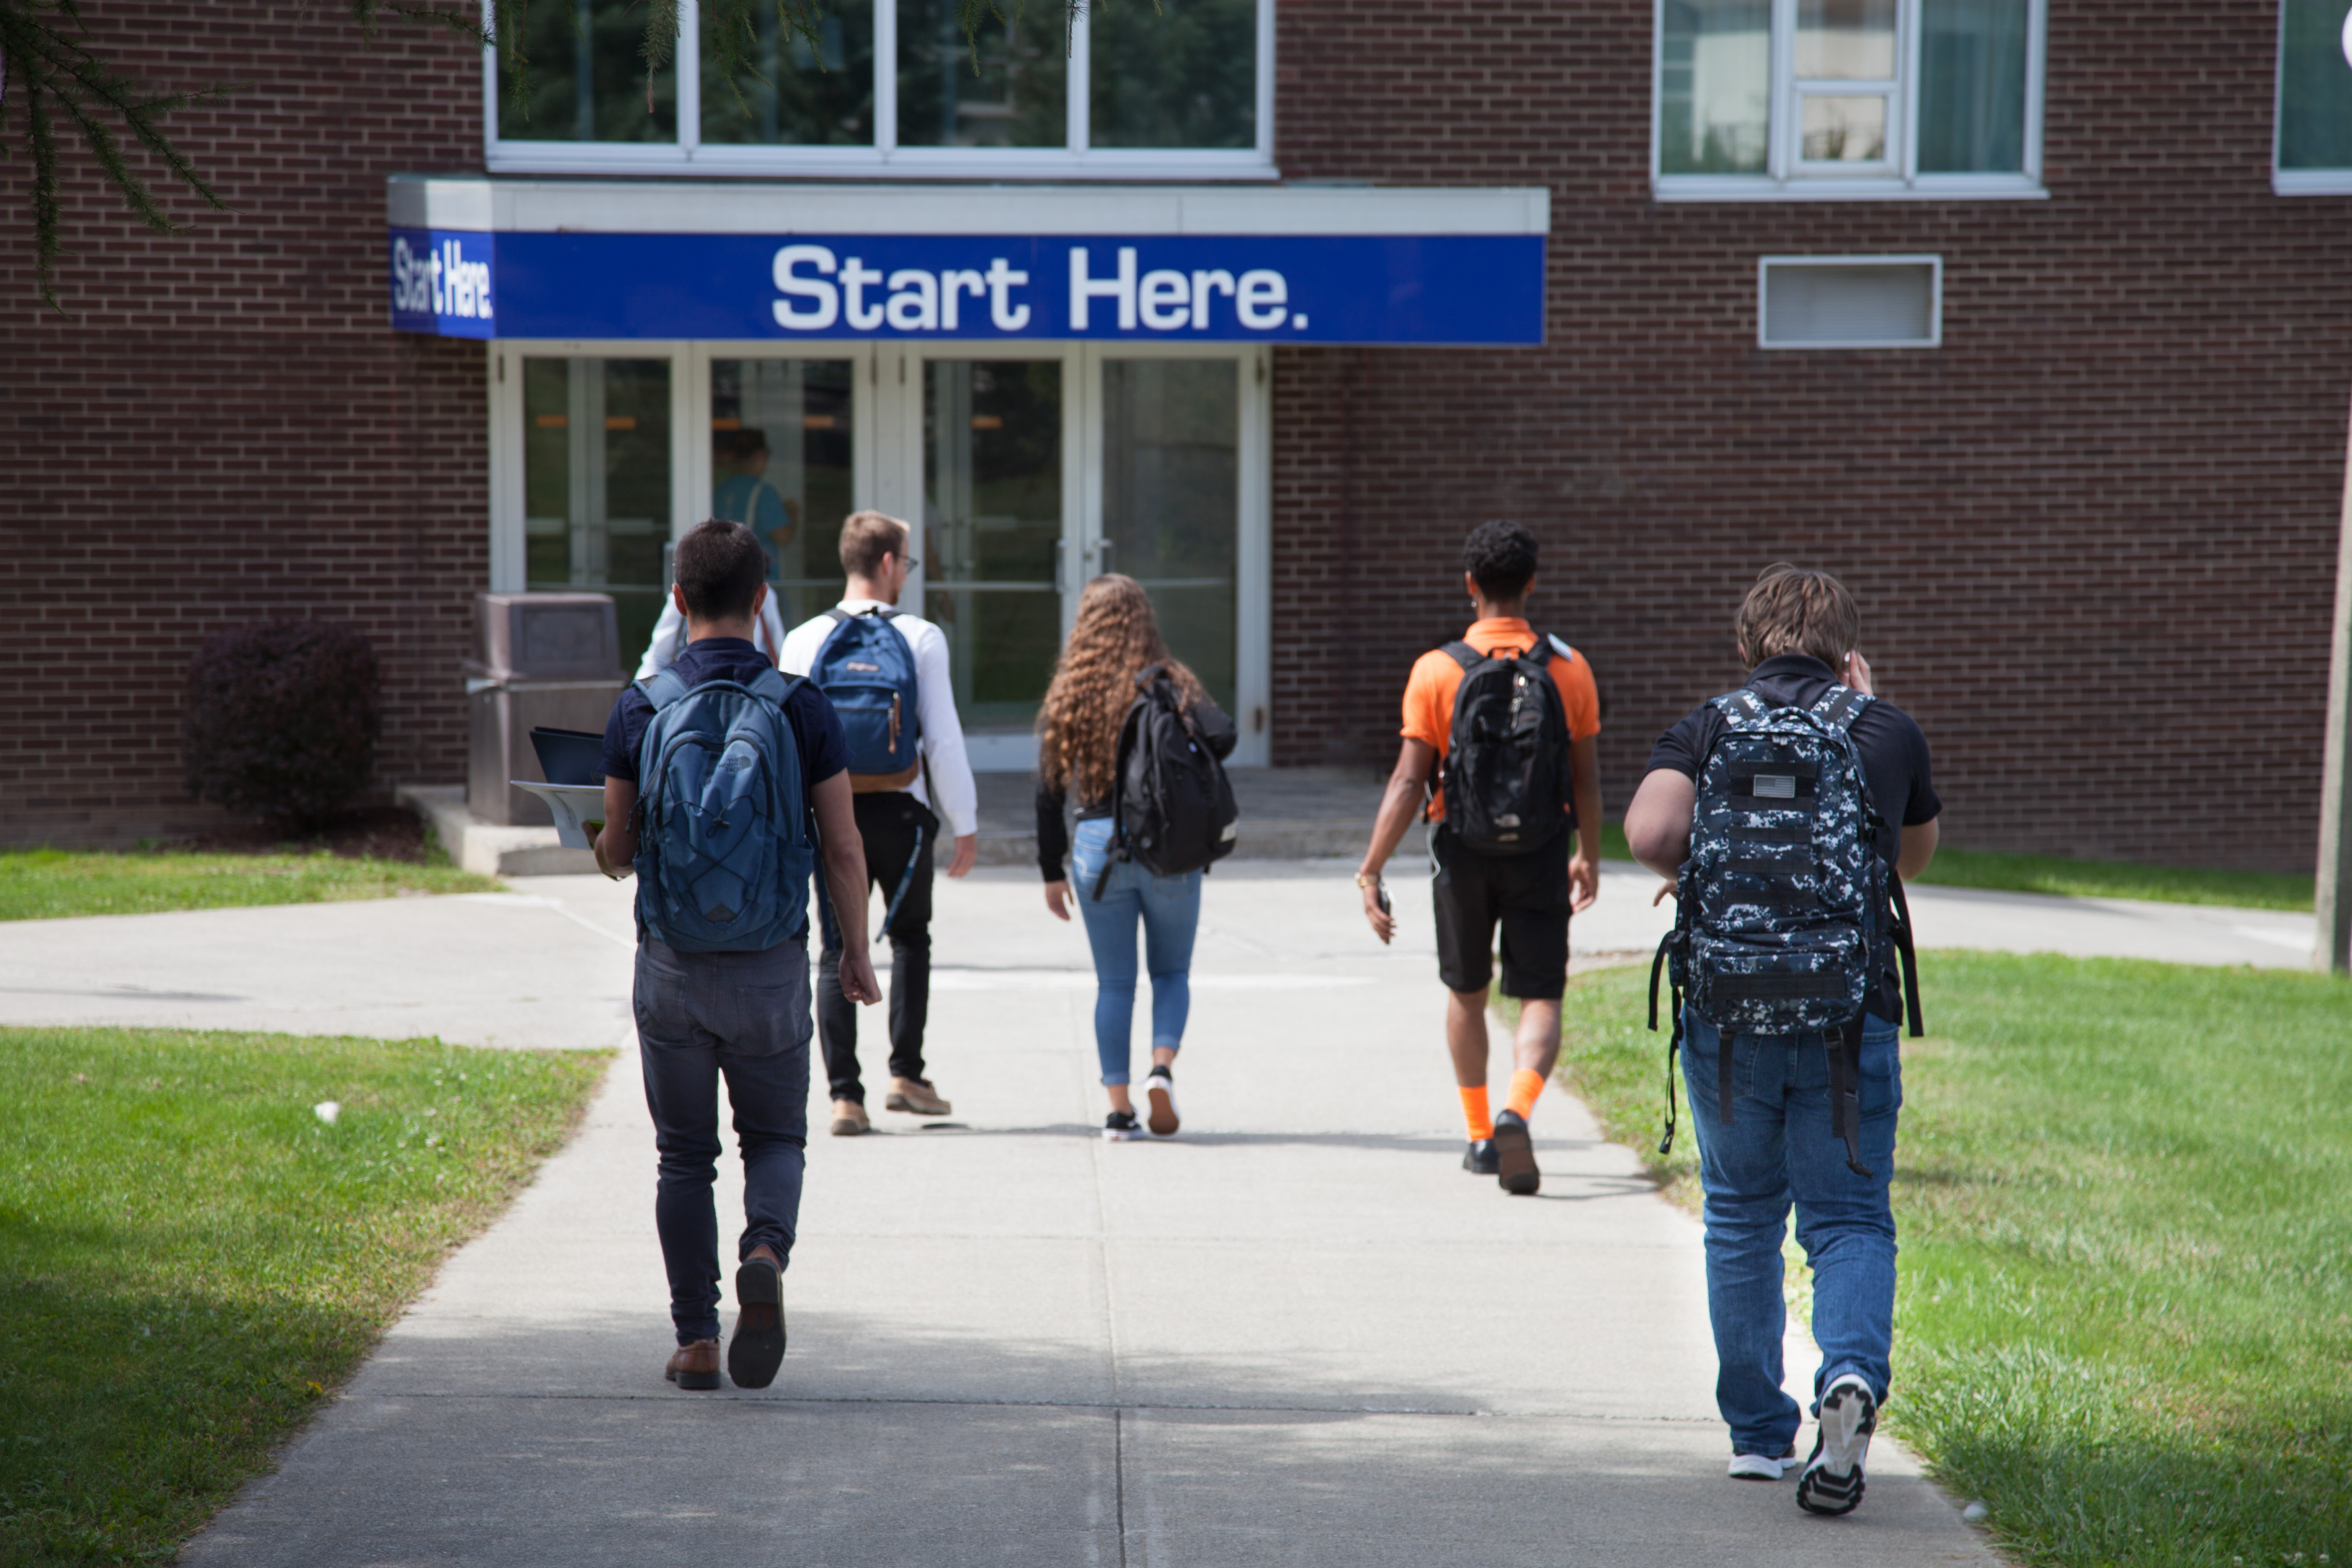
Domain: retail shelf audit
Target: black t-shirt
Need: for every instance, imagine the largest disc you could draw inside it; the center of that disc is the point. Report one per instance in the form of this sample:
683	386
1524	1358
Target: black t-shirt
825	750
1893	754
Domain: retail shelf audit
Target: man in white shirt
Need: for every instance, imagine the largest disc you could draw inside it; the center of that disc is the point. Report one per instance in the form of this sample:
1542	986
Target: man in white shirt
899	827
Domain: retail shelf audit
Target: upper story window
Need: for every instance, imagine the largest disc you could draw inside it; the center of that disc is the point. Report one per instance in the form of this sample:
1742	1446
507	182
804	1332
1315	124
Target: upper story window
2315	98
1180	90
1825	99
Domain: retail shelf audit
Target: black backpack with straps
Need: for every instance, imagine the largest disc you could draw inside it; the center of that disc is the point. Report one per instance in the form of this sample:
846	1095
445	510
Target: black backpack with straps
1506	775
1172	807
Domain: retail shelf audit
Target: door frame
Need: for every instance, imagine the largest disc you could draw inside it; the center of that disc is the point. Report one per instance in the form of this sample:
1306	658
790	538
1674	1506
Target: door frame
886	465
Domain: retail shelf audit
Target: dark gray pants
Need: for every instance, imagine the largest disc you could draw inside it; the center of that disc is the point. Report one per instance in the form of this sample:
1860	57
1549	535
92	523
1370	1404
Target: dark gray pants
746	1016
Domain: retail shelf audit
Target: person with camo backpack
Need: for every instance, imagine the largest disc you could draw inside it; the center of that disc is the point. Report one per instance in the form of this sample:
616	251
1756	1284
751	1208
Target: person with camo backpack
1787	813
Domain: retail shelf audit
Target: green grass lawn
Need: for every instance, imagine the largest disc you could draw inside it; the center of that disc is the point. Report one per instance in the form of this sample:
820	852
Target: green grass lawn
191	1261
1991	869
2125	1196
43	884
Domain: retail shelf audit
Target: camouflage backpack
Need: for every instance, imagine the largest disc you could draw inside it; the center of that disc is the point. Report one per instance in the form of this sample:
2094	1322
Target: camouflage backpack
1782	922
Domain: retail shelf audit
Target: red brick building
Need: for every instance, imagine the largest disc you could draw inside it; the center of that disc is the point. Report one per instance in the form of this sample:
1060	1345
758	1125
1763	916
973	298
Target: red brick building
2085	473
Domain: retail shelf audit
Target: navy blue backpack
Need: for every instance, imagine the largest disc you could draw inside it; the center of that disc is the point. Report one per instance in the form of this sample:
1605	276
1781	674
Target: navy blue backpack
867	669
724	847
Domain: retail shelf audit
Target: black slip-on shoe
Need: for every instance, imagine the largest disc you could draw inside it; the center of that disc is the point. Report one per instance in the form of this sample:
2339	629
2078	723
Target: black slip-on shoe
1833	1480
1160	1092
1478	1158
758	1348
1514	1155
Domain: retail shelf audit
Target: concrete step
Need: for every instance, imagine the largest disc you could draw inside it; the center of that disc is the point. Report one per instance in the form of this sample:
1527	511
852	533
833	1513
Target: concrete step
489	848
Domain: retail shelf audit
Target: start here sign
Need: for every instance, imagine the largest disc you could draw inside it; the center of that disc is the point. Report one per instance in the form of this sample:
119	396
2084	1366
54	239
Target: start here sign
1460	290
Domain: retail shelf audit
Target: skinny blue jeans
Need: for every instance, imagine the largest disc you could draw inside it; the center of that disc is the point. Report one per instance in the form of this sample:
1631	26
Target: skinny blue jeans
1779	1150
1169	908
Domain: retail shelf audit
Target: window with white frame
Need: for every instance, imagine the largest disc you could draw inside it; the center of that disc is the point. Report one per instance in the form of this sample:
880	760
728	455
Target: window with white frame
1182	88
1847	98
2315	98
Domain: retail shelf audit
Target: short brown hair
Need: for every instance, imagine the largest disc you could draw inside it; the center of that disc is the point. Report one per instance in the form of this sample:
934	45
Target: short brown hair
867	537
719	569
1793	609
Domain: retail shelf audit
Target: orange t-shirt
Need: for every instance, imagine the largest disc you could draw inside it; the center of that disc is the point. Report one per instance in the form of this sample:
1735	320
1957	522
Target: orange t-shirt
1429	694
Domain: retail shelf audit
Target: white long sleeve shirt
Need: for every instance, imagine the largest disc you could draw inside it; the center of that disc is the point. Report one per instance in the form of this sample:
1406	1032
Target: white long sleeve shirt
943	748
669	635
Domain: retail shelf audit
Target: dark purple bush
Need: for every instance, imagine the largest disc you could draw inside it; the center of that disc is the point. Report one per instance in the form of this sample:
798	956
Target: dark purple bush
283	720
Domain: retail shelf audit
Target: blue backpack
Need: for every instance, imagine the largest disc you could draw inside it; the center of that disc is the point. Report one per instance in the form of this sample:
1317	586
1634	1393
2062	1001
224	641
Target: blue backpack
867	669
724	848
1787	912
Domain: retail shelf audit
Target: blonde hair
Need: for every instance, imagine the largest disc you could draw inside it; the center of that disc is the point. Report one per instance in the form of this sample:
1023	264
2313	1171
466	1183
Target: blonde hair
1793	609
867	537
1115	638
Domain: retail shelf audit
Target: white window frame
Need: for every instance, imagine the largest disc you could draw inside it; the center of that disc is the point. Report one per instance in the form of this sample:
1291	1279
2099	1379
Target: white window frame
885	159
2297	181
886	467
1787	178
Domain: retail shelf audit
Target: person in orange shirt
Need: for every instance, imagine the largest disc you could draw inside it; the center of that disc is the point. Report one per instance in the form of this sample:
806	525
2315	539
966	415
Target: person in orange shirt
1526	880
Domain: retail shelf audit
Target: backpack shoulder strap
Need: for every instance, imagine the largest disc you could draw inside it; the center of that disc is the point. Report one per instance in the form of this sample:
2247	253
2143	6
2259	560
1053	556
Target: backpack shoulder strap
840	616
1840	706
664	686
772	685
1742	706
1463	654
1148	675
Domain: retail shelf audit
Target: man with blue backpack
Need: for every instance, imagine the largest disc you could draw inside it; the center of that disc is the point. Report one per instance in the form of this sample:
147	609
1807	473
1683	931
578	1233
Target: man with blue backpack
723	782
1788	813
887	676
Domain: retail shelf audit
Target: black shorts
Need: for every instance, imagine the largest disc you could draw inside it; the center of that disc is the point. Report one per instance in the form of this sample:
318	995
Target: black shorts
1527	894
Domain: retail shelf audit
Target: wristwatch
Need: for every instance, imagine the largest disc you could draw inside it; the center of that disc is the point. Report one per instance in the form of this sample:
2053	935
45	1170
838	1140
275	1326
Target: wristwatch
1368	878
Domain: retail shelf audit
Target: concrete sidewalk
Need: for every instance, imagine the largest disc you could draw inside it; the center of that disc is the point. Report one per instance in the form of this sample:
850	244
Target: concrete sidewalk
1297	1334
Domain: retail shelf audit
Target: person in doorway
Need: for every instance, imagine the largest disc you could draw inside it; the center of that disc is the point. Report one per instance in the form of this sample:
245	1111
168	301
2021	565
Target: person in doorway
747	497
723	991
1780	1139
1492	868
1116	639
894	808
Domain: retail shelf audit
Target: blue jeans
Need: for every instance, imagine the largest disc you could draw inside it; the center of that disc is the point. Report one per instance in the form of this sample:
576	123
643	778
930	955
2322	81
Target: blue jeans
1169	908
1779	1149
745	1015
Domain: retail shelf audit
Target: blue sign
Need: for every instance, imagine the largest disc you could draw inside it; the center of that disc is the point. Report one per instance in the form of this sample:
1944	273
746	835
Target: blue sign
1447	288
441	283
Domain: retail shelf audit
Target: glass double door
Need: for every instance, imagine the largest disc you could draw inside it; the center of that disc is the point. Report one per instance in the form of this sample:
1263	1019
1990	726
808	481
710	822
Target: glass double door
1025	473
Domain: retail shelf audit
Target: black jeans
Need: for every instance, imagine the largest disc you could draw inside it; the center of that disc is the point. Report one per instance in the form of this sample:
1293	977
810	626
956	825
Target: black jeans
745	1015
890	822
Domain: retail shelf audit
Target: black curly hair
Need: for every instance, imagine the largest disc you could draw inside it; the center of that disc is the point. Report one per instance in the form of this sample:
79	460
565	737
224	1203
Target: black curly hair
1500	557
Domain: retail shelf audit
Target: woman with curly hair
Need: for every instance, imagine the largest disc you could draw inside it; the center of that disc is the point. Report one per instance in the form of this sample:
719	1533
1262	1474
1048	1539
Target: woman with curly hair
1114	639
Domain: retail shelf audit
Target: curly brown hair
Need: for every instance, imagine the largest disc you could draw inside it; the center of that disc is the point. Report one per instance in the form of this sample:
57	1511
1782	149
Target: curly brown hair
1116	637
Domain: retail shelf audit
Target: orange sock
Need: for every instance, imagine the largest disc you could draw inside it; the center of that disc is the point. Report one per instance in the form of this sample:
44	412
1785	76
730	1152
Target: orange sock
1473	1112
1525	1087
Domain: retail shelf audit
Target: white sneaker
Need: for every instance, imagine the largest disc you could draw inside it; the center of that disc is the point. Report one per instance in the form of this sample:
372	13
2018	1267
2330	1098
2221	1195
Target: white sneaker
1762	1466
1159	1089
1119	1127
1833	1480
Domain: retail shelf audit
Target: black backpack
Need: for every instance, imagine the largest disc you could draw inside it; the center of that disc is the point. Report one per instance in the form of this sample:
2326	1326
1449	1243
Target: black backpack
1171	806
1506	776
1787	912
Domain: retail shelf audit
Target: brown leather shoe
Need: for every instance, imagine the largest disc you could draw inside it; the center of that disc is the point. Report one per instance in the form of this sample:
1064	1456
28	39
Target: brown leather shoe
758	1348
695	1366
917	1097
849	1118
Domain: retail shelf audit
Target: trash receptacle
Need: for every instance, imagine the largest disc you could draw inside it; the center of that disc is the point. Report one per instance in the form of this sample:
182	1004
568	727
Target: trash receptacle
551	660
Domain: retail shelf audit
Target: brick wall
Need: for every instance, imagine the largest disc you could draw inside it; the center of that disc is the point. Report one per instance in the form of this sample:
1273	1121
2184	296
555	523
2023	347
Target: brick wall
2093	534
222	430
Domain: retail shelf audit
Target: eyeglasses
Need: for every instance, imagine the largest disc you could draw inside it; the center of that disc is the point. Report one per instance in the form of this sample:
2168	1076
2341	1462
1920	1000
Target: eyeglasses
910	561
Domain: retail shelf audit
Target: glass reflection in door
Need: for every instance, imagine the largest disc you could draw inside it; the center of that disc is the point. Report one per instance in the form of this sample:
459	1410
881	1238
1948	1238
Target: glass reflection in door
993	531
596	484
779	465
1171	502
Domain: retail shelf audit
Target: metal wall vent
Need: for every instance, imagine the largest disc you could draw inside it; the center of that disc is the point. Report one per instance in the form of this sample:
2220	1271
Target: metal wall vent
1850	302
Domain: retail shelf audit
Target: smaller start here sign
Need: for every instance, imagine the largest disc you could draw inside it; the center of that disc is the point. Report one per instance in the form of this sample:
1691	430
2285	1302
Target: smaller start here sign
441	283
1466	290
